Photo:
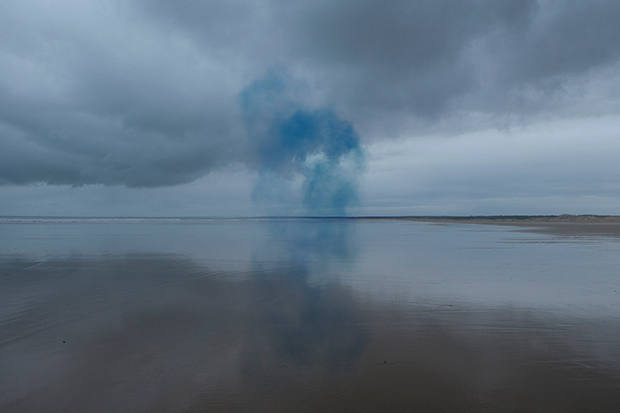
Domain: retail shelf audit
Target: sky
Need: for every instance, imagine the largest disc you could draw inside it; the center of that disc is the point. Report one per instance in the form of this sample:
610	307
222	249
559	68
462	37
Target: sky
273	107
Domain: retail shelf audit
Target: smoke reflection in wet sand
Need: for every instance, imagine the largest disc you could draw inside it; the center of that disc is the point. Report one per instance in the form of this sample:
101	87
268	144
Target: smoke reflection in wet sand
137	331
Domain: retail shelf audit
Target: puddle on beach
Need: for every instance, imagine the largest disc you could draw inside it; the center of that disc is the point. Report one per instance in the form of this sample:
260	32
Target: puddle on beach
305	315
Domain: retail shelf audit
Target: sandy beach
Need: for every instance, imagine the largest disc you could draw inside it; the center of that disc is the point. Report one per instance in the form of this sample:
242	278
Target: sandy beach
308	315
566	224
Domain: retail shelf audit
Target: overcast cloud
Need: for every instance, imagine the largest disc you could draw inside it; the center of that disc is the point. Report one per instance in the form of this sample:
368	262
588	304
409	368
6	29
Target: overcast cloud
146	93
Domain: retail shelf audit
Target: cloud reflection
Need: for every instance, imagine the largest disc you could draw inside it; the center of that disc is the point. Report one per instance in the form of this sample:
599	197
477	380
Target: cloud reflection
166	333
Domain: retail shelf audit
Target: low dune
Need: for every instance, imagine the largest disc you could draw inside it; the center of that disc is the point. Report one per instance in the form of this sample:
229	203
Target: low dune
565	224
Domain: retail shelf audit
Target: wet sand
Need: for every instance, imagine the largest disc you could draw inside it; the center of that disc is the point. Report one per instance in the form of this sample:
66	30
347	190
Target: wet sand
185	339
346	316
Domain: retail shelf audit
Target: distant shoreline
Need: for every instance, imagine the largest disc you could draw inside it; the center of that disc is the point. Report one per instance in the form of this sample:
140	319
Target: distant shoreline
495	219
510	219
608	225
565	224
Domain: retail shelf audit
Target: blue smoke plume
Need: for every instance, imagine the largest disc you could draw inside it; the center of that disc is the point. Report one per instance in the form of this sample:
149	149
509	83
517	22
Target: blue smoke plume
289	139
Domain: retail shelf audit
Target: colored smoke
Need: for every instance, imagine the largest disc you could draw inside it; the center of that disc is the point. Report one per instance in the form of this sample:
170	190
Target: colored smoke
290	138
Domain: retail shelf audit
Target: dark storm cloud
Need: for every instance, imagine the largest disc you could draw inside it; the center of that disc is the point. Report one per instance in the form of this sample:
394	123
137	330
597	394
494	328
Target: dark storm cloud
567	38
145	93
403	56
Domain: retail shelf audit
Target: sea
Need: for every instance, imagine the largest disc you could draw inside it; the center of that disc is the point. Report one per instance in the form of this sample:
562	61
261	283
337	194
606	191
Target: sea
305	314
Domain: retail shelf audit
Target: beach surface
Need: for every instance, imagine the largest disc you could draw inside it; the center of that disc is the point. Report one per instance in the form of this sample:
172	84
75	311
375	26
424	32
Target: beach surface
193	315
565	224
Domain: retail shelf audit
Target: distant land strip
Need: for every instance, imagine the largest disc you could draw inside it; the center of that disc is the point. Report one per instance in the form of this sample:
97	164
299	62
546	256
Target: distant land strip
564	224
510	219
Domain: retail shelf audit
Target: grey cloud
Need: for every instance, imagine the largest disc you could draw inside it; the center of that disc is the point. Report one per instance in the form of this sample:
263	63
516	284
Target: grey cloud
145	93
399	55
139	113
565	40
386	64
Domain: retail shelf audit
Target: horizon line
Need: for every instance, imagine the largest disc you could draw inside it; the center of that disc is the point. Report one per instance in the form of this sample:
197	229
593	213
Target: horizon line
514	216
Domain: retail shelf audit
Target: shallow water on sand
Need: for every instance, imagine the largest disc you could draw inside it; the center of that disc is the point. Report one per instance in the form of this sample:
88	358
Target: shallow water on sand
305	315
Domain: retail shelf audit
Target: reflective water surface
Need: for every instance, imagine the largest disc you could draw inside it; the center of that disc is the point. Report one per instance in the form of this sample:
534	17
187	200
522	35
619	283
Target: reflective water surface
305	315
